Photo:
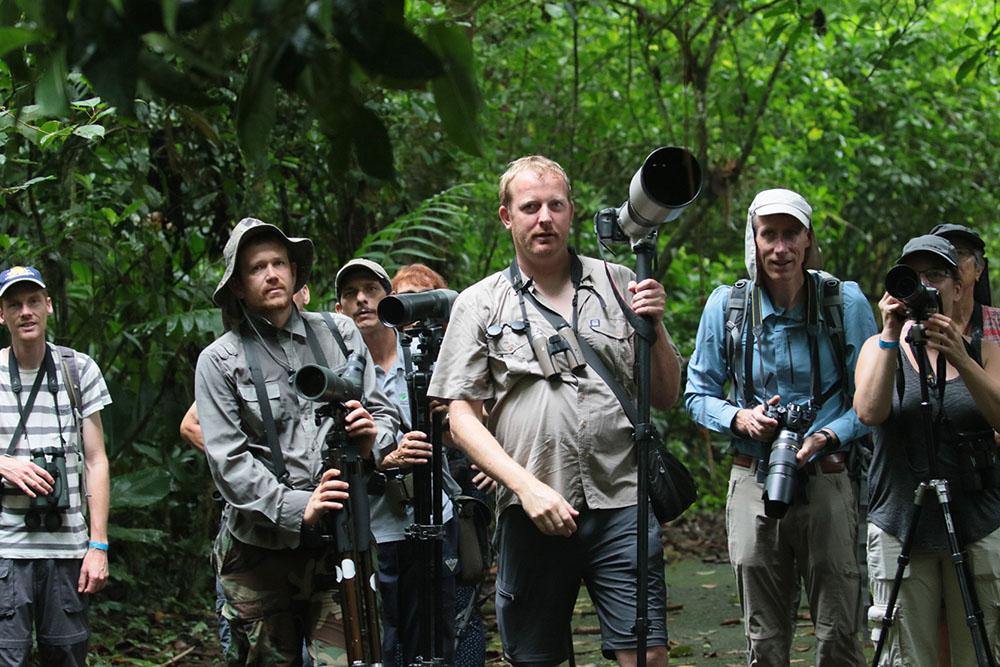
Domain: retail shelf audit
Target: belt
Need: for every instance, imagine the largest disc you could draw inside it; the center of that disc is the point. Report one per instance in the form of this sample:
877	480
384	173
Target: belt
827	465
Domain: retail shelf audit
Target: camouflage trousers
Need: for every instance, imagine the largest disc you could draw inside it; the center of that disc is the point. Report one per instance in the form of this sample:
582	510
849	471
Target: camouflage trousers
275	599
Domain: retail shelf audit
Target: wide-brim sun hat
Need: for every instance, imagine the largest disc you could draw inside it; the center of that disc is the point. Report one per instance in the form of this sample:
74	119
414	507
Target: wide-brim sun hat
300	251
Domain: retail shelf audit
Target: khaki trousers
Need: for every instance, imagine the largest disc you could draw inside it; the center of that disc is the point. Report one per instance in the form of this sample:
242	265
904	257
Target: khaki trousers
815	540
929	578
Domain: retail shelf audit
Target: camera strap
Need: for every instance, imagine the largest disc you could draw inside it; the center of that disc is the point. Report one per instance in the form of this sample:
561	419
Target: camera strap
270	429
755	329
48	369
557	321
257	374
976	328
335	330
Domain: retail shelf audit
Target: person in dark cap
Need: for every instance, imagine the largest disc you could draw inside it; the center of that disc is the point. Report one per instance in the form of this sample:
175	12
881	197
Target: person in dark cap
980	318
361	285
965	410
277	576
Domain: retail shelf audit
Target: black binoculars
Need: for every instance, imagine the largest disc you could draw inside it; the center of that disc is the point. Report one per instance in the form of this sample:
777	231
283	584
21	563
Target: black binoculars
48	509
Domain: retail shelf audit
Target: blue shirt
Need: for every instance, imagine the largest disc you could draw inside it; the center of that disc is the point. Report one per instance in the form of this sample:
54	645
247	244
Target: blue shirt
781	365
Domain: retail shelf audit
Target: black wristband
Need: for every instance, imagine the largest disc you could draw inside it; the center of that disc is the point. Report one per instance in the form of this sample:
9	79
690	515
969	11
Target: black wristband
826	435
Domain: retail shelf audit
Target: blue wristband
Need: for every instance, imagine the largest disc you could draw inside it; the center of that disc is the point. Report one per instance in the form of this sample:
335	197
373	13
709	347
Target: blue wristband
98	545
888	344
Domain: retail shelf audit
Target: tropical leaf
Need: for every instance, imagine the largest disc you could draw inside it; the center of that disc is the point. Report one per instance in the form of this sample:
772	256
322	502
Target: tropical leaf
419	234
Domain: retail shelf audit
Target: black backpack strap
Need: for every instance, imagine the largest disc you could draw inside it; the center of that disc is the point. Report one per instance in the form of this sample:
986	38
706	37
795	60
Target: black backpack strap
270	429
335	330
831	291
976	326
736	308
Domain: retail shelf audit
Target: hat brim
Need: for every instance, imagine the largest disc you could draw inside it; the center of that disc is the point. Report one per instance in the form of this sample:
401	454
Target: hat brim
26	279
778	207
948	260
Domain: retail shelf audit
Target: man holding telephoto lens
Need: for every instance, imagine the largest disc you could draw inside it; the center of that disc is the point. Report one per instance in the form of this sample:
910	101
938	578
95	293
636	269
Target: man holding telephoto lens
361	286
557	440
265	450
949	438
787	342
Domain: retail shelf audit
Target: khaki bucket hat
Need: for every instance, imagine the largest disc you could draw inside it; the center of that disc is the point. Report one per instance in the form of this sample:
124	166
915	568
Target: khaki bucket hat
300	251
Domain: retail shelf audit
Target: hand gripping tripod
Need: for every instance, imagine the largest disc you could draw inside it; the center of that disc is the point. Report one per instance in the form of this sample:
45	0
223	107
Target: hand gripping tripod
428	483
973	612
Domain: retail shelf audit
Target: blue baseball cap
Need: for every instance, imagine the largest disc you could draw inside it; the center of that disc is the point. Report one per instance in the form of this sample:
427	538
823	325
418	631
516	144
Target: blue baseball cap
19	274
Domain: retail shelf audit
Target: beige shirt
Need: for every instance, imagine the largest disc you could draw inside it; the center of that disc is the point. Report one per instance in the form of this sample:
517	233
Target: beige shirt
571	434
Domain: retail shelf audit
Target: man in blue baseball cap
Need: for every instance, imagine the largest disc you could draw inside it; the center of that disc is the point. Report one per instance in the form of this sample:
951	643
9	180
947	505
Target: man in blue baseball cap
51	399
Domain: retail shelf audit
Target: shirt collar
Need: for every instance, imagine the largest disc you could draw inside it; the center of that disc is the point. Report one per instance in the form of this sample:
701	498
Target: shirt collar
295	326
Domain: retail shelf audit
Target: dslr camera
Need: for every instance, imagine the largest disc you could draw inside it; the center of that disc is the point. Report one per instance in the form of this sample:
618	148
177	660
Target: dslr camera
921	300
48	509
779	487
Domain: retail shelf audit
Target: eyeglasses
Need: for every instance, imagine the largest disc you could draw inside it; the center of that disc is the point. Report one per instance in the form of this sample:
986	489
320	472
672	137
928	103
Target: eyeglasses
934	275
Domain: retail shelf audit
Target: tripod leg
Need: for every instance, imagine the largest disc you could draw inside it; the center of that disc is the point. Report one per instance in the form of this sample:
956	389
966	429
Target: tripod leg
973	613
904	558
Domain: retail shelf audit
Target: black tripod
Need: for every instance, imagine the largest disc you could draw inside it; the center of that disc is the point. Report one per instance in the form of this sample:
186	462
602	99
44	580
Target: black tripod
643	435
428	483
973	612
349	529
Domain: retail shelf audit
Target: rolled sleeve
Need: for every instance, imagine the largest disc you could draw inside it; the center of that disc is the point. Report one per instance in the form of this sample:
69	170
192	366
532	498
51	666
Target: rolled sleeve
708	370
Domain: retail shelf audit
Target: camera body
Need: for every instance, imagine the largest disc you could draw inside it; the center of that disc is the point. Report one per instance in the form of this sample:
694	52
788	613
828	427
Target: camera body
921	300
48	509
779	487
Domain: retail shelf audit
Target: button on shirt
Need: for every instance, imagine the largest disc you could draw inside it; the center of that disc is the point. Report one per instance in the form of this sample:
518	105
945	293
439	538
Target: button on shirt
781	365
261	510
571	434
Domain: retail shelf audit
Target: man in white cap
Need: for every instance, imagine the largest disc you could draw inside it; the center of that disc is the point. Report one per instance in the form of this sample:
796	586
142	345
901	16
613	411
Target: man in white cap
51	399
789	337
265	445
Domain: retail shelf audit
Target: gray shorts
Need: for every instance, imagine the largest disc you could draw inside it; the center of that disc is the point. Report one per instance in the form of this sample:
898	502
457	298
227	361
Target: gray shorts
539	577
41	595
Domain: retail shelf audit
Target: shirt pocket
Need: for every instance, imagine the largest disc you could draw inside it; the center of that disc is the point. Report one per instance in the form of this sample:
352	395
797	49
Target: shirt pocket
252	415
513	354
611	338
7	588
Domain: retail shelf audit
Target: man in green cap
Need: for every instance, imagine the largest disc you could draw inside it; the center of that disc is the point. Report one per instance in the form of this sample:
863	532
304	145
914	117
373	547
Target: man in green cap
264	446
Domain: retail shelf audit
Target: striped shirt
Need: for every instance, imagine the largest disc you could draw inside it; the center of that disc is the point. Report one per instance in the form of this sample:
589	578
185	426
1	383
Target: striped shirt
43	430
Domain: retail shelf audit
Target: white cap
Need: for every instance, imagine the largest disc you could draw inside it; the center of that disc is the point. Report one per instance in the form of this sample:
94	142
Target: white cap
776	201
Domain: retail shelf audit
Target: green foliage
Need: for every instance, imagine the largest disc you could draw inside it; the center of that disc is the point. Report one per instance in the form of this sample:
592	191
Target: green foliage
200	53
135	134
